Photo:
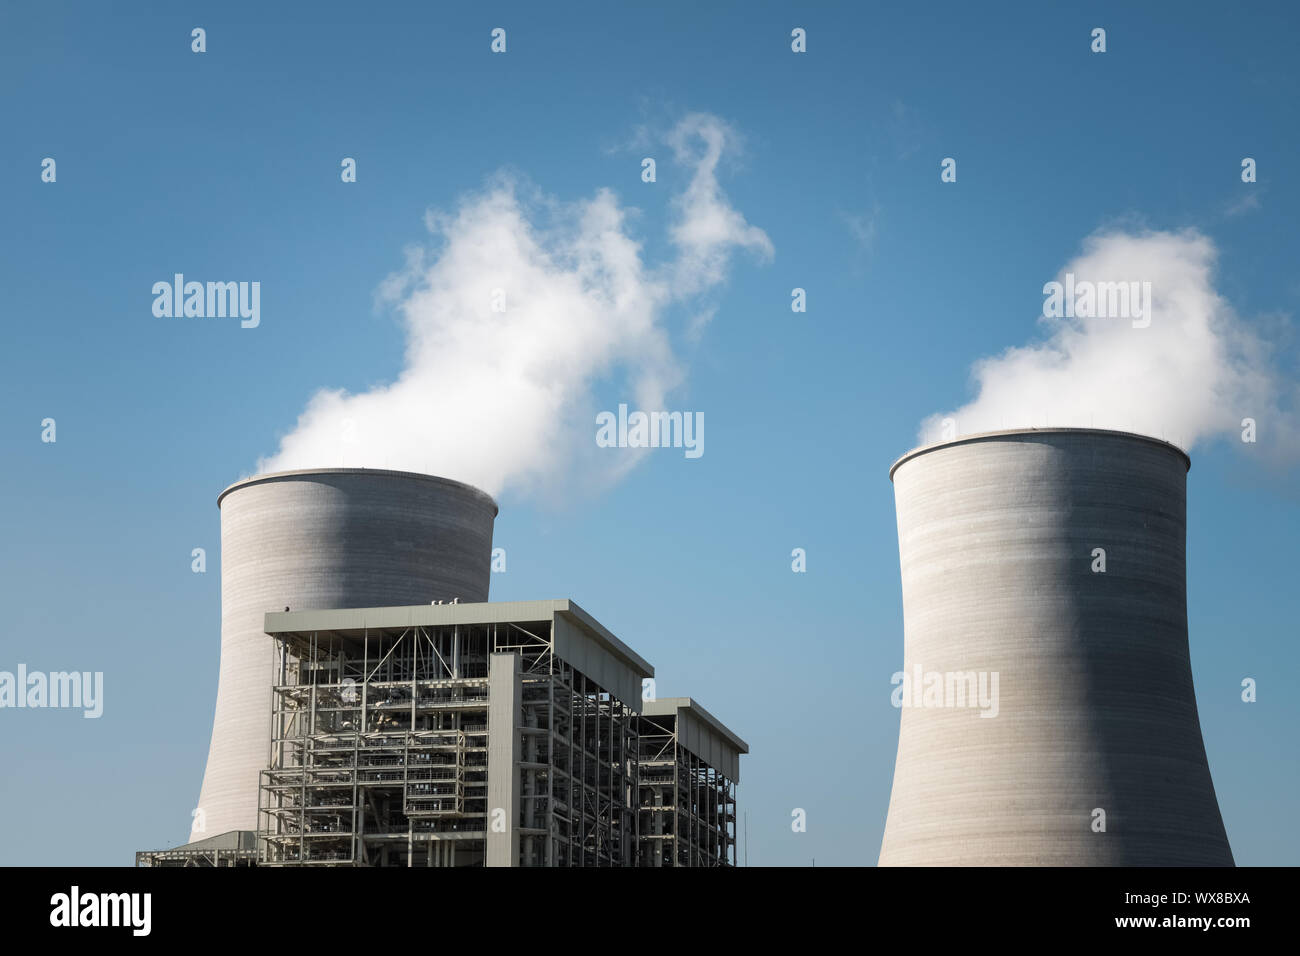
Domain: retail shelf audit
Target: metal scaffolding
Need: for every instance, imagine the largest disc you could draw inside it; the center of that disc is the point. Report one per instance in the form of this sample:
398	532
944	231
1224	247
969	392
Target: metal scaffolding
236	848
490	734
381	746
687	808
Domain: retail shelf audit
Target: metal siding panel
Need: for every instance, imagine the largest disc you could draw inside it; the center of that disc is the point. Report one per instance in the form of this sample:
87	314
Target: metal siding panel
504	692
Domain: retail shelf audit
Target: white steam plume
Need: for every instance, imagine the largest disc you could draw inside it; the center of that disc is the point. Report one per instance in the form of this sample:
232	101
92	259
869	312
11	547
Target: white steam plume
504	399
1190	375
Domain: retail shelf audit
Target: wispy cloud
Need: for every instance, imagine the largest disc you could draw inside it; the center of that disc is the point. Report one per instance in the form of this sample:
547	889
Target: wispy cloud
906	129
862	229
1248	202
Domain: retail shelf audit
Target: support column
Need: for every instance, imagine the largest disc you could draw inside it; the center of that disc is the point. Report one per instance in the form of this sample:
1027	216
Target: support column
505	691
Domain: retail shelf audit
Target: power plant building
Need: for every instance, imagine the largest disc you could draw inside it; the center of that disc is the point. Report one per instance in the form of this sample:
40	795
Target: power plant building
374	709
389	715
452	735
689	766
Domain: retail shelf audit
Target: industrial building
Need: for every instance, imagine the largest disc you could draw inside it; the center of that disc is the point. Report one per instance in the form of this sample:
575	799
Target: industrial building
689	765
1053	560
236	848
389	715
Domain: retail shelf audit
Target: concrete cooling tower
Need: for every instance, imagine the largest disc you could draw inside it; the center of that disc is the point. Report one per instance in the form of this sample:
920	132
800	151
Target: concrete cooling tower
1051	719
329	538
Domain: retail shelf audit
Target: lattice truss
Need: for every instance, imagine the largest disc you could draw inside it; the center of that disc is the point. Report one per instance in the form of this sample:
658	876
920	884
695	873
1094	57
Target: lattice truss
380	744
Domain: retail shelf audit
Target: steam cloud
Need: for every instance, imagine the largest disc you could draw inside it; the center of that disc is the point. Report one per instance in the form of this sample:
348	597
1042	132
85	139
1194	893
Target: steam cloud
1193	374
506	399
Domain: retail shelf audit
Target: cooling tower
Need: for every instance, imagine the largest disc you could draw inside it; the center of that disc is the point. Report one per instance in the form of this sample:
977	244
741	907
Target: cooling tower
329	538
1087	750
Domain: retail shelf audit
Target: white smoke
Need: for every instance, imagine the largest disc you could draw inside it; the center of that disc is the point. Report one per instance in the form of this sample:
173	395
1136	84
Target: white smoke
505	399
1194	373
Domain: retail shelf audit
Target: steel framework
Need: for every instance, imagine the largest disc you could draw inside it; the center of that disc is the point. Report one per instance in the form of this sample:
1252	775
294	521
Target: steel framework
235	848
380	750
687	808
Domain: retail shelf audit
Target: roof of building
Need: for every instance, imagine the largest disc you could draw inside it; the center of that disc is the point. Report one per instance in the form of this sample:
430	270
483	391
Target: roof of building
230	840
354	622
671	705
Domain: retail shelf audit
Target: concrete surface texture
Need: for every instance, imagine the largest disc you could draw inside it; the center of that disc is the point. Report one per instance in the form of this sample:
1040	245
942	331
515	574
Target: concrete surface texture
1092	753
340	538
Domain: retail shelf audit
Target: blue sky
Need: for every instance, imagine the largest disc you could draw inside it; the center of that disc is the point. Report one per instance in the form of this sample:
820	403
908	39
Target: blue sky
225	166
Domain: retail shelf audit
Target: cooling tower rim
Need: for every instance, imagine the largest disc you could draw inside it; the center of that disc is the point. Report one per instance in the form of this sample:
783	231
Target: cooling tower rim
984	436
376	472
